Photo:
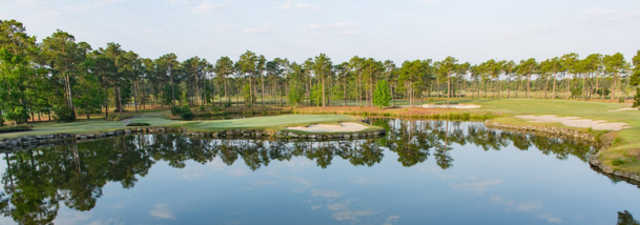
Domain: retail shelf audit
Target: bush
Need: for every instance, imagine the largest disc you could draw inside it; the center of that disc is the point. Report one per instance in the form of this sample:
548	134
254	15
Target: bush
64	113
19	114
617	162
183	111
621	100
16	128
138	124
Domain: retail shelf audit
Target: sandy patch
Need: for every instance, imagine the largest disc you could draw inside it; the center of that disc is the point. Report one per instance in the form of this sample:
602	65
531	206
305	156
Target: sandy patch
624	109
342	127
572	121
451	106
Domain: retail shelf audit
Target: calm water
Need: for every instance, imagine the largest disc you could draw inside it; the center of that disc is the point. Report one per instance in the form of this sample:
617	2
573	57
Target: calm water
422	172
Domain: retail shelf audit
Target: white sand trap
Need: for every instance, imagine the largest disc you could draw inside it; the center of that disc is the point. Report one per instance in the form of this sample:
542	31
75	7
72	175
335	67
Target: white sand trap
451	106
342	127
624	109
572	121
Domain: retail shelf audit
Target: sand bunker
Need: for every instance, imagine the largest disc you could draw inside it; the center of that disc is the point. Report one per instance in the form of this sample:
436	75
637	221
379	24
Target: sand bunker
342	127
451	106
572	121
623	109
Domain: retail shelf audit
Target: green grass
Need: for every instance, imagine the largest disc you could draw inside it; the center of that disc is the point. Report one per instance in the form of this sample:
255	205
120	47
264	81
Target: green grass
160	119
623	154
276	122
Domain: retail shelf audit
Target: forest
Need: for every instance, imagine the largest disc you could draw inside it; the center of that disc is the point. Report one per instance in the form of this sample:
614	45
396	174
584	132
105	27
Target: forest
63	78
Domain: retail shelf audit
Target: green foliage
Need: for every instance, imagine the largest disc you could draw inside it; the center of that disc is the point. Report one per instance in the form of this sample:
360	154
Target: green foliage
382	94
617	162
636	98
90	96
16	128
249	98
17	73
316	95
296	94
296	86
19	114
183	111
576	91
603	91
64	113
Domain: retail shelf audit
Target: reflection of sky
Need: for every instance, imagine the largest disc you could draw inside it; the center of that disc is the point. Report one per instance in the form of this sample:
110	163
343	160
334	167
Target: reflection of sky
483	187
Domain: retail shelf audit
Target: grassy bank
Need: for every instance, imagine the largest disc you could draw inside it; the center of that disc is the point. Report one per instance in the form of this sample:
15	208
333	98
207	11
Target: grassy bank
624	152
160	119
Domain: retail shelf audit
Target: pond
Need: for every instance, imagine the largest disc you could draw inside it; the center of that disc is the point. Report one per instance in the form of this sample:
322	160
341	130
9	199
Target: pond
421	172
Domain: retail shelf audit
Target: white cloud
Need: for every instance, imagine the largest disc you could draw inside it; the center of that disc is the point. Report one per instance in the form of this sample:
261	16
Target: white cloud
337	206
289	4
260	29
550	218
351	215
162	211
340	27
528	206
325	193
342	212
206	7
303	5
72	218
607	15
533	208
478	185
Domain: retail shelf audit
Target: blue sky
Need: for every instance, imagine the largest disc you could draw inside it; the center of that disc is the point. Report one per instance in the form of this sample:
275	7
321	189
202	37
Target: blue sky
471	30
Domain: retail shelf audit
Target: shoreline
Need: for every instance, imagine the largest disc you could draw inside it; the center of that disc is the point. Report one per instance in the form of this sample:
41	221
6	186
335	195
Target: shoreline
31	141
594	162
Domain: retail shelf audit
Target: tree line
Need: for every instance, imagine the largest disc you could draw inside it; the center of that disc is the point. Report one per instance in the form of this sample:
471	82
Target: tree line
63	77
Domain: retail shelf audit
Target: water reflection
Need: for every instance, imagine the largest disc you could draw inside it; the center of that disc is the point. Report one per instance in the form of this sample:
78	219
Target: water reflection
625	218
37	181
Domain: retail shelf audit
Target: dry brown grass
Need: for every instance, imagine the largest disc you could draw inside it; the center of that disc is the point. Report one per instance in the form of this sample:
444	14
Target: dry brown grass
406	112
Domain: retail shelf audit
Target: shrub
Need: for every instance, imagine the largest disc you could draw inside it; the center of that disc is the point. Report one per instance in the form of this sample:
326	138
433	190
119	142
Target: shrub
621	100
183	111
617	162
19	114
16	128
64	113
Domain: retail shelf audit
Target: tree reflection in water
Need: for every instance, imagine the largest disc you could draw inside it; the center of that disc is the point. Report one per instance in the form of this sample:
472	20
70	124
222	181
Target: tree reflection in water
625	218
36	181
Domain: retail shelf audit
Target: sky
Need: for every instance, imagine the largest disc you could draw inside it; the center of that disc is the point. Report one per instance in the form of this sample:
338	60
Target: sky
470	30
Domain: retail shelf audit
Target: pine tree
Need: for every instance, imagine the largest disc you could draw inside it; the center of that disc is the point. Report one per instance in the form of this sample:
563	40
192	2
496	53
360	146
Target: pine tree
382	94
